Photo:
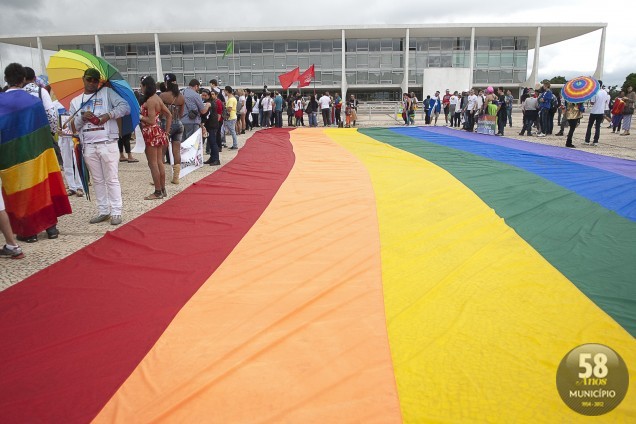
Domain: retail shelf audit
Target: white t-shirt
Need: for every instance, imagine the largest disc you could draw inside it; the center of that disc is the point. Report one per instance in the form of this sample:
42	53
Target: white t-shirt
599	102
454	101
324	102
298	105
266	103
98	104
243	108
472	102
256	106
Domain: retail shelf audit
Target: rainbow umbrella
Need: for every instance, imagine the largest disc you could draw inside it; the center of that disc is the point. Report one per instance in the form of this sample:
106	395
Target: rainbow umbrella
66	69
580	89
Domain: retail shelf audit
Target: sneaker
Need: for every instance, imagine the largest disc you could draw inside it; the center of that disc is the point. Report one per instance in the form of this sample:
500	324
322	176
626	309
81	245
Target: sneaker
540	135
587	141
28	239
12	253
215	163
115	220
570	145
559	133
233	148
99	218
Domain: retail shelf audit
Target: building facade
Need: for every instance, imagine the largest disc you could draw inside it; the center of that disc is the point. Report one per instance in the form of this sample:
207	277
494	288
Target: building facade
376	62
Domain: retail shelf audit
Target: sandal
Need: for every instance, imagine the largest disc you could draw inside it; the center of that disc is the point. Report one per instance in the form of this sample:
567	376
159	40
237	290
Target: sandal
123	160
133	160
154	196
79	192
70	192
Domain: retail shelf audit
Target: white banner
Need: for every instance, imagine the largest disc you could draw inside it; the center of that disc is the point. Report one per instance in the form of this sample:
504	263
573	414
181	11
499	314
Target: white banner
191	153
140	146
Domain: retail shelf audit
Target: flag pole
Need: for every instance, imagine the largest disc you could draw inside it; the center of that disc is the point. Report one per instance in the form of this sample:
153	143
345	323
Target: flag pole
234	64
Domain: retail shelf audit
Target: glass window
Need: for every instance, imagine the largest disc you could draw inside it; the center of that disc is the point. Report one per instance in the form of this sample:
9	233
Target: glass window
505	75
166	64
386	77
176	63
222	62
483	43
314	46
421	60
188	48
374	77
495	44
448	43
327	61
447	60
268	46
507	59
223	78
522	43
374	61
374	45
199	63
245	78
268	61
481	60
279	62
412	44
362	45
270	79
397	77
279	47
386	44
337	45
303	62
142	49
351	77
303	46
337	76
422	44
257	78
521	60
337	60
519	76
120	50
412	77
175	48
434	44
434	60
363	59
350	45
108	50
351	62
327	78
508	43
465	43
199	48
292	60
210	48
362	77
458	60
397	60
143	65
397	45
386	60
243	47
188	65
220	47
210	63
257	47
292	46
494	60
493	76
481	76
245	61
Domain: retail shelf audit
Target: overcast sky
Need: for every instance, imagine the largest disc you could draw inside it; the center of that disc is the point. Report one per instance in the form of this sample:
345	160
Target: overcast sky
571	58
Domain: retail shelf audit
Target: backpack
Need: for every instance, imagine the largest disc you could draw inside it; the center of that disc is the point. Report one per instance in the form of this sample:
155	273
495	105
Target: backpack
553	104
225	114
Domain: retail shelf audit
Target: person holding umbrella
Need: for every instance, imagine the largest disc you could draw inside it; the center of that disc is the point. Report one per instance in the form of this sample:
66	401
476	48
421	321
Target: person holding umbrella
95	113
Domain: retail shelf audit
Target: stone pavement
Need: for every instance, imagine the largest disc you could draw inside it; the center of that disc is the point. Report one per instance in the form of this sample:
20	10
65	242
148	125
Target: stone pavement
76	232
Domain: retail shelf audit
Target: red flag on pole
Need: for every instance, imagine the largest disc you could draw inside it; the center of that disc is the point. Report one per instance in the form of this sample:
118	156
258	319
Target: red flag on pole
305	78
287	79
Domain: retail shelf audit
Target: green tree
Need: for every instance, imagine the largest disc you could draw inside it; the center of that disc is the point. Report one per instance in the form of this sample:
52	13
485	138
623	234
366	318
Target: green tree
558	80
630	80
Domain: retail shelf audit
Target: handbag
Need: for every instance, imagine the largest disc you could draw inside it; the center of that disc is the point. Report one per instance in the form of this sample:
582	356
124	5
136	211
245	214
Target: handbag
628	110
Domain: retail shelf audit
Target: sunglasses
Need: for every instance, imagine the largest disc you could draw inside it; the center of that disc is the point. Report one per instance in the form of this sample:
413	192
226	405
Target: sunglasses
91	79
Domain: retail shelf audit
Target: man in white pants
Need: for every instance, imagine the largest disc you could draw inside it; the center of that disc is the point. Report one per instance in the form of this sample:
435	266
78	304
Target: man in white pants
97	128
67	149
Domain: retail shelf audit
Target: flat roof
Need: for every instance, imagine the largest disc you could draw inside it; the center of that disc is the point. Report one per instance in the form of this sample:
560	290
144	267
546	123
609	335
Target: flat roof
550	33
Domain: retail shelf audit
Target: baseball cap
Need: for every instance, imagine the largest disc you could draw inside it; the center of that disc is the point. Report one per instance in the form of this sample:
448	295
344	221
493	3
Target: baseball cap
92	73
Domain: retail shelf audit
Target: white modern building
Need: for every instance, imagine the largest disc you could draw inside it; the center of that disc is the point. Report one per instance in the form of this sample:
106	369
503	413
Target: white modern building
375	62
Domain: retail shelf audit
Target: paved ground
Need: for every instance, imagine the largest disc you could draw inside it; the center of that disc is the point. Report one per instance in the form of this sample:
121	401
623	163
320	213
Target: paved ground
77	233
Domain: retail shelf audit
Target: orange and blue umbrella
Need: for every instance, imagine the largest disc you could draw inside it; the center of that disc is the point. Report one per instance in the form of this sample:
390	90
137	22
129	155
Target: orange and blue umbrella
66	69
580	89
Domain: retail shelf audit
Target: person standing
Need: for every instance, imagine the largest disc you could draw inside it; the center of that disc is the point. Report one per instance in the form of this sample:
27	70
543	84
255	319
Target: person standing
502	112
572	115
98	109
267	106
32	184
67	150
617	113
509	101
452	108
338	108
545	102
211	124
154	136
628	109
446	105
325	102
529	108
242	109
436	107
256	105
406	106
230	124
11	249
312	111
352	104
278	109
597	113
175	101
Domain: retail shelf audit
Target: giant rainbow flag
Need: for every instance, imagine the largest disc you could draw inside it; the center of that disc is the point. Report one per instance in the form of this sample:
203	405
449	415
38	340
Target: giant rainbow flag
330	276
32	183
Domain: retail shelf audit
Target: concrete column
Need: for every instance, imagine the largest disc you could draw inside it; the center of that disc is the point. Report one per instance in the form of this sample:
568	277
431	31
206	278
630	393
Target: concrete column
532	81
598	74
98	47
343	81
405	81
472	58
158	58
41	57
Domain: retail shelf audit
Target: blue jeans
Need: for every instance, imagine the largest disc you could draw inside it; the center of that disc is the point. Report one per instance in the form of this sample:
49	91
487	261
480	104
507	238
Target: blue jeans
230	126
279	118
509	110
313	119
544	115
